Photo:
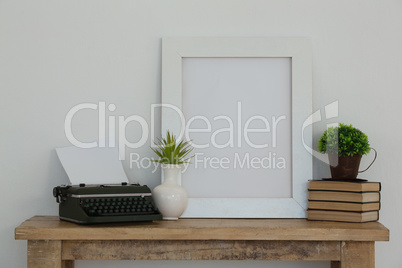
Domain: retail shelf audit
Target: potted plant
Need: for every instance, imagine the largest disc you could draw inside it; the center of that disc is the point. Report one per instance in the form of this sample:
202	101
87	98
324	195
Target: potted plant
345	146
170	197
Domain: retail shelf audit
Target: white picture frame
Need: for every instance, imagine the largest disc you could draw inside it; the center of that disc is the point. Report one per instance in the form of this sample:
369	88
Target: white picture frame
175	49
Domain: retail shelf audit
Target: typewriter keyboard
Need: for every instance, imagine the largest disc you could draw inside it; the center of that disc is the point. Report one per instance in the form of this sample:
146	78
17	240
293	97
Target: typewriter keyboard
115	206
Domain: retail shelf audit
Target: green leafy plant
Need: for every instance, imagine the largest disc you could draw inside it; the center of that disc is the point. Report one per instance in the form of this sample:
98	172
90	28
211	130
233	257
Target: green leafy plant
344	140
172	152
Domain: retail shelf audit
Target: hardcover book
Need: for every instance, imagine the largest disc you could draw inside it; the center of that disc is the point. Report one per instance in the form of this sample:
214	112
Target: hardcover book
359	197
344	206
343	185
343	216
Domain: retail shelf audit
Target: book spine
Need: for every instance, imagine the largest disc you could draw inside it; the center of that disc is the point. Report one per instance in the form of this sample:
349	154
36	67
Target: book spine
341	191
336	201
335	210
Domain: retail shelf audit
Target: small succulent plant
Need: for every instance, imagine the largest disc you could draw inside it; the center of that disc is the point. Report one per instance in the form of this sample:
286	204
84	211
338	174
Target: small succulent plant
170	151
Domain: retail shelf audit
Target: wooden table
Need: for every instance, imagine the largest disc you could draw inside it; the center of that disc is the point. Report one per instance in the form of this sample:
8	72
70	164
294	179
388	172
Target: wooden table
54	243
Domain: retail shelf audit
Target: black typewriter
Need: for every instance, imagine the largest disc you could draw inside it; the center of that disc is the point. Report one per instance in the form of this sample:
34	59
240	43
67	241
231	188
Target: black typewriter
87	204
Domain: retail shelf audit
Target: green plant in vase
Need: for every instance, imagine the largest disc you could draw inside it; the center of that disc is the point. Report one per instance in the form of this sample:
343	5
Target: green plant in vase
170	197
345	146
172	152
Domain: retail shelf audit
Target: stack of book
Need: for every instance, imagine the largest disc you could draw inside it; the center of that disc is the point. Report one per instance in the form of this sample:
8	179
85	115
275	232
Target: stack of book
346	201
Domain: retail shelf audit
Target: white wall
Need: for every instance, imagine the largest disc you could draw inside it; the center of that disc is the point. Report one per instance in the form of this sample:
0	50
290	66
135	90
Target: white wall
57	54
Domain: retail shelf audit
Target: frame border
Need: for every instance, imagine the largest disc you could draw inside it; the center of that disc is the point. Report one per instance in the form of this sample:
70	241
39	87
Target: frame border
174	49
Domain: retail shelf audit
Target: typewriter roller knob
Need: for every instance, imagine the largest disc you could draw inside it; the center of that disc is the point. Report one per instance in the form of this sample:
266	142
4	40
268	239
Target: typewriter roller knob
57	193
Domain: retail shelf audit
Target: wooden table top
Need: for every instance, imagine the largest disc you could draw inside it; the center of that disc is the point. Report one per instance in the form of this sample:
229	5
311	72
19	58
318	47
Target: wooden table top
51	228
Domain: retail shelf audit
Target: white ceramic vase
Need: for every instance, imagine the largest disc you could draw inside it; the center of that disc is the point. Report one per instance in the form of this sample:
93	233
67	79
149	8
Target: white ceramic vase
170	198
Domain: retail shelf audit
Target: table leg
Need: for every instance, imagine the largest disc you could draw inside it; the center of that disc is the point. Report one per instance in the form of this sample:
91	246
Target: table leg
357	255
46	254
335	264
67	264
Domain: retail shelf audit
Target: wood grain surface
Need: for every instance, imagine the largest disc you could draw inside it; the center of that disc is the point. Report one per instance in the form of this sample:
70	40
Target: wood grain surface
201	250
51	228
357	255
57	244
44	253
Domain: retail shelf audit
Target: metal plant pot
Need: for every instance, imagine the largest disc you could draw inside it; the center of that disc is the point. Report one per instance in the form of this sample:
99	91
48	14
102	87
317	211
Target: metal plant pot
344	167
347	167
